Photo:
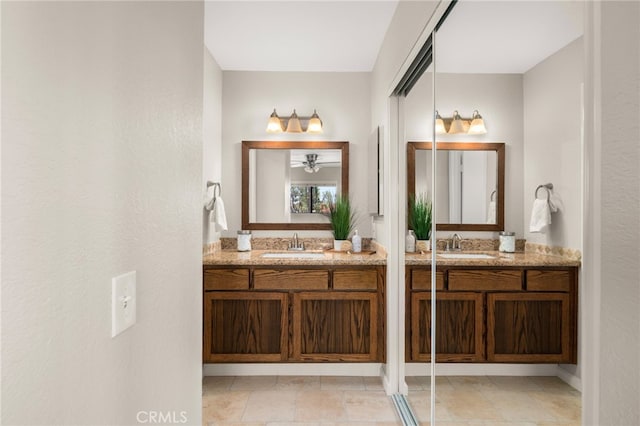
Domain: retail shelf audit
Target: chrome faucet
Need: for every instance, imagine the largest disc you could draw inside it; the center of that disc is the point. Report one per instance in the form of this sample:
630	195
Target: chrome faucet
295	244
456	242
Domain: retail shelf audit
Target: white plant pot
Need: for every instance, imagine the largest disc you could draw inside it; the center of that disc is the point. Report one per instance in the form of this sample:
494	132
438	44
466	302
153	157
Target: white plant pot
423	245
340	245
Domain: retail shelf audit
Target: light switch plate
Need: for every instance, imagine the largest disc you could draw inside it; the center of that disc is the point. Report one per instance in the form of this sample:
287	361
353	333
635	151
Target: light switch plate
123	302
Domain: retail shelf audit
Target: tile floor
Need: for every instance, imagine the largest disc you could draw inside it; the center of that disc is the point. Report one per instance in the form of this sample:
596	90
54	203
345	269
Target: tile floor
361	401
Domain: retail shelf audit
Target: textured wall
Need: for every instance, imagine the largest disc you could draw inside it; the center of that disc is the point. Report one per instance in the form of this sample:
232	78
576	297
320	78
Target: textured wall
212	137
553	142
619	378
101	174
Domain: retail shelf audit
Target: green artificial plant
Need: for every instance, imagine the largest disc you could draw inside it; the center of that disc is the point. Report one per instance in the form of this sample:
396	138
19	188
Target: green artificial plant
342	217
420	216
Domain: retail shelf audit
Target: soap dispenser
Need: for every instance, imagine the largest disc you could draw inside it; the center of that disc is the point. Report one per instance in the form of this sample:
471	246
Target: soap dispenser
410	242
356	242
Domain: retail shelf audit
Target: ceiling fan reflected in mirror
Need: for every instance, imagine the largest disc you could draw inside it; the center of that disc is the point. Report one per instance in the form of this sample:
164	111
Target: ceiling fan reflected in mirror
312	162
310	165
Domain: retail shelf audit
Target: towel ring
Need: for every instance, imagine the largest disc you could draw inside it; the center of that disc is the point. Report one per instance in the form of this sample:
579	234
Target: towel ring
548	187
216	187
492	196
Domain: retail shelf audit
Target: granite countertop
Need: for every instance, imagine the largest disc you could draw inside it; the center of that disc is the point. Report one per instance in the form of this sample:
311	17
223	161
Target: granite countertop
499	259
254	257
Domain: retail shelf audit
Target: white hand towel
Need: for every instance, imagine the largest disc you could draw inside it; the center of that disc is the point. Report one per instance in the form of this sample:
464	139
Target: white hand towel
540	216
218	215
209	203
491	212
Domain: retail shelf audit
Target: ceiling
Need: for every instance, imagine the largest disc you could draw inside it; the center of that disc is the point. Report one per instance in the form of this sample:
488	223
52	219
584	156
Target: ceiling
505	36
298	35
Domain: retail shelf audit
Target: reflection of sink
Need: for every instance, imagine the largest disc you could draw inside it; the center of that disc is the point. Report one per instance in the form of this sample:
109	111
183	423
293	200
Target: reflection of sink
465	256
293	255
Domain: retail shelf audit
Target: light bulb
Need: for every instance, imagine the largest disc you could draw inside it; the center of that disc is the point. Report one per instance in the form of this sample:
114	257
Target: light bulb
315	124
477	125
457	126
293	126
274	125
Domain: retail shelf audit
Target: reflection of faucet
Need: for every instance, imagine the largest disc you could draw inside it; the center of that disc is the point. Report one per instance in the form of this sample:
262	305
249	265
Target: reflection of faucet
456	242
295	244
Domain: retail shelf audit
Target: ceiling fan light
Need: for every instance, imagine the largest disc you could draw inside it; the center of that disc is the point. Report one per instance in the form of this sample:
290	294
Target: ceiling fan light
294	126
315	124
274	125
440	129
457	126
477	125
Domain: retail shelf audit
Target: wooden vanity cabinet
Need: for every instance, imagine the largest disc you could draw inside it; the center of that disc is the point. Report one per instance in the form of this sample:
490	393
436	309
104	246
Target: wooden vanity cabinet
494	314
294	314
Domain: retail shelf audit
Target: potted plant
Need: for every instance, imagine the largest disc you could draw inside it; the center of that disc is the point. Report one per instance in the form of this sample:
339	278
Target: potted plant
342	218
420	220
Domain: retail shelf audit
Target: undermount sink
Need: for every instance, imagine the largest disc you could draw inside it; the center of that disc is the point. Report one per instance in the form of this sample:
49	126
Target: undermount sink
465	256
293	255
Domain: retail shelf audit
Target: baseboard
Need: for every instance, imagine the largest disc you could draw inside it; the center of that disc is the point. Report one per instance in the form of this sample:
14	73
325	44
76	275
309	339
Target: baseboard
290	369
573	381
451	369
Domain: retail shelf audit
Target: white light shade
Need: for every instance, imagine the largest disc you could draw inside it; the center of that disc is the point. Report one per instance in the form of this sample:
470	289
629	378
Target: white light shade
315	124
477	125
274	125
457	126
293	126
440	129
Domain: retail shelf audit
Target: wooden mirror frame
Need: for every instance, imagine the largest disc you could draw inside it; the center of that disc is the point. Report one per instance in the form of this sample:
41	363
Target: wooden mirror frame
499	148
286	145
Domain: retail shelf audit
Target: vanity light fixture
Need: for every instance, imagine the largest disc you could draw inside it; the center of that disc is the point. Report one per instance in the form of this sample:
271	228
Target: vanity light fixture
459	125
294	126
440	129
294	123
274	125
315	124
477	124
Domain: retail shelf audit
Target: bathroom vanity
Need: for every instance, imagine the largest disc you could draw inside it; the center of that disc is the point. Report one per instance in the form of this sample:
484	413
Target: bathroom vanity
511	308
269	309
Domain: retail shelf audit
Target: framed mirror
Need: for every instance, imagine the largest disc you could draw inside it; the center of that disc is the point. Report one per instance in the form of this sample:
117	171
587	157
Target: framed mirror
470	183
287	185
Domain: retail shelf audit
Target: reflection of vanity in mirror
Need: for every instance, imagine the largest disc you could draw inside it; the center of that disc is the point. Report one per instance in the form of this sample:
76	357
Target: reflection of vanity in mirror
288	185
470	183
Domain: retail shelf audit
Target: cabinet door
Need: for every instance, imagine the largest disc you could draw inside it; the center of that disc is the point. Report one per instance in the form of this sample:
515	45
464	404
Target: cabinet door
459	325
336	326
245	327
528	327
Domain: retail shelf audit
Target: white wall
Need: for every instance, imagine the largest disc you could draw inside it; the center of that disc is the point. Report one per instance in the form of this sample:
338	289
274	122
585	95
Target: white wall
101	174
553	142
212	137
619	341
343	103
499	99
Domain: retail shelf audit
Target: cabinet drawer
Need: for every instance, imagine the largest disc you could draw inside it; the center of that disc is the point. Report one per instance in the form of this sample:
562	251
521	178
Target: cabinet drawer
226	279
421	279
365	279
541	280
290	279
485	280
